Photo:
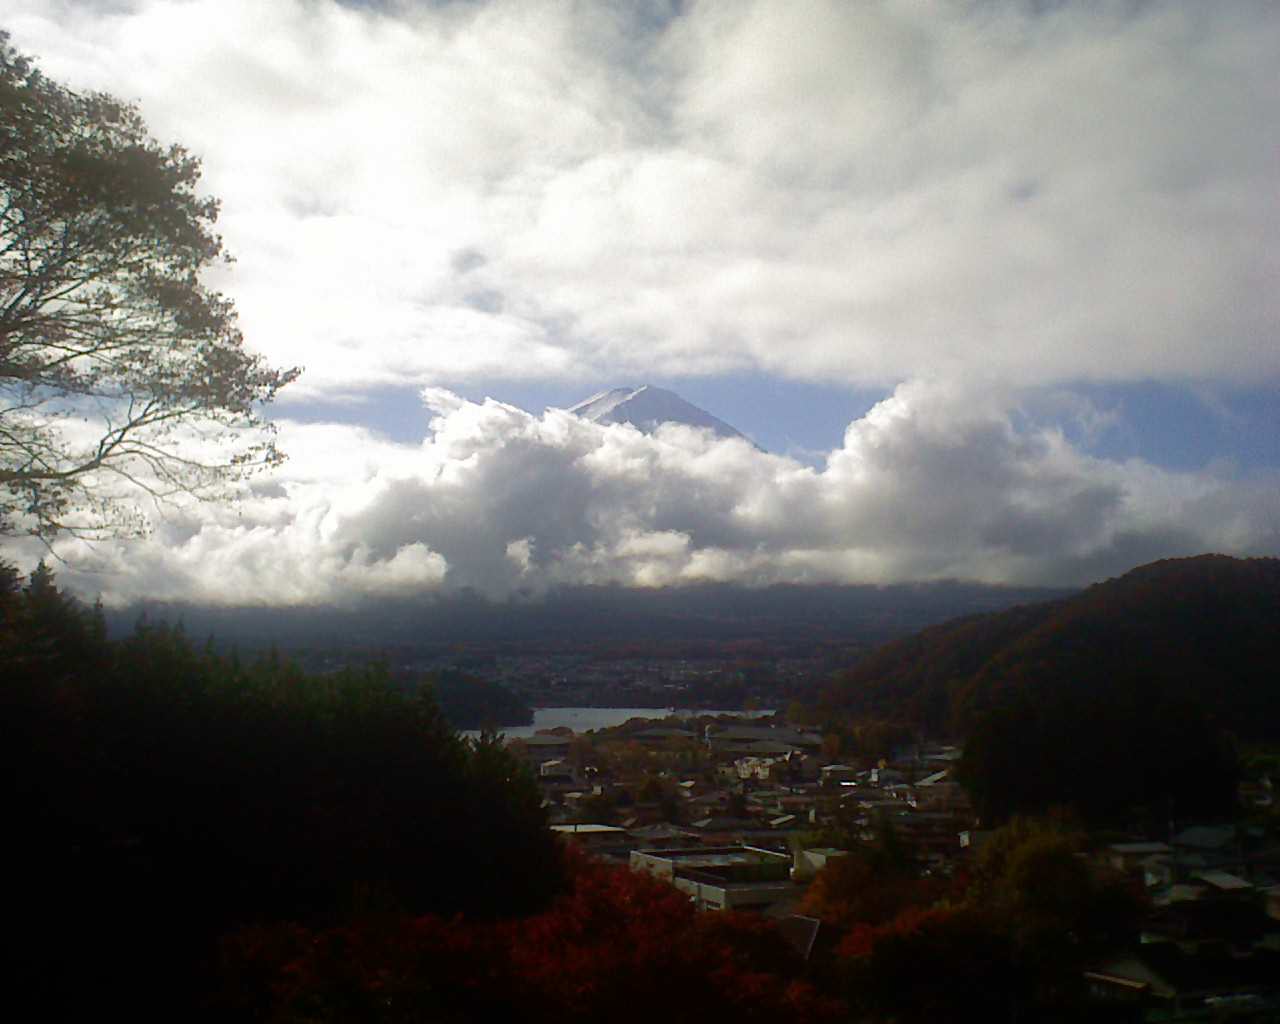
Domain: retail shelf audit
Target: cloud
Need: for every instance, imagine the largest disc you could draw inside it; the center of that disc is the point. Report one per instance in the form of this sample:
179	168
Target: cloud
973	206
421	193
937	481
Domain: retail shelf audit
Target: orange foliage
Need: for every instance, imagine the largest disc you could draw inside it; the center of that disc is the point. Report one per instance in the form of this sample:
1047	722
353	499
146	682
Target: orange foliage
850	891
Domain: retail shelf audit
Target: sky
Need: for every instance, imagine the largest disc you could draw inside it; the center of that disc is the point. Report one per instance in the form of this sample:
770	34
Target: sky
992	283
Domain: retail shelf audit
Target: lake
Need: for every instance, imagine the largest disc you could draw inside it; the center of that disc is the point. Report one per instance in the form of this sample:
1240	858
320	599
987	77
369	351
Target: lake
585	719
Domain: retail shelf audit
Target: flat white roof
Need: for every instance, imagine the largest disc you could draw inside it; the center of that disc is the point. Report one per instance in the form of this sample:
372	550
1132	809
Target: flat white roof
1224	880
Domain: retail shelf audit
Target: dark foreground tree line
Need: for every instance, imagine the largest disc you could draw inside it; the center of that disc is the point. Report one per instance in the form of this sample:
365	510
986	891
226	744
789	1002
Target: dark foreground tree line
1008	940
163	794
615	945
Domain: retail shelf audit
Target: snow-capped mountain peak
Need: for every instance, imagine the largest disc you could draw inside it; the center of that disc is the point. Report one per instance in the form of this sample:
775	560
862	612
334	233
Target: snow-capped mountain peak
646	407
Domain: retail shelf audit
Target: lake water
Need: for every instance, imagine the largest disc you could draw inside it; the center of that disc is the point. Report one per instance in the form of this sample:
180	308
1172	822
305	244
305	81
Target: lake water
584	719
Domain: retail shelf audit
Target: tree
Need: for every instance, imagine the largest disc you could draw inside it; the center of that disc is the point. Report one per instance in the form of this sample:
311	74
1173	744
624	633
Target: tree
856	890
1058	910
616	945
943	963
119	370
291	797
1113	757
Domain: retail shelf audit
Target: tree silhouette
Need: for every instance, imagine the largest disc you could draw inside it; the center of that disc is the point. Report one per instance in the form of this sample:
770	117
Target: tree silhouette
119	370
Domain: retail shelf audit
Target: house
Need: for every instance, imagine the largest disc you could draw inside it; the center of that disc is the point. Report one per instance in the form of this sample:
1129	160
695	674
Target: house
737	877
1239	926
807	863
1214	839
1259	793
836	774
593	837
760	740
1156	871
542	747
663	736
663	835
1271	902
758	767
1129	857
800	933
974	839
1223	884
1169	983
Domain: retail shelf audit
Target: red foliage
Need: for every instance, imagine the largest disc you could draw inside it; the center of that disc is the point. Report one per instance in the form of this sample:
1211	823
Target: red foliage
617	945
863	938
942	963
850	891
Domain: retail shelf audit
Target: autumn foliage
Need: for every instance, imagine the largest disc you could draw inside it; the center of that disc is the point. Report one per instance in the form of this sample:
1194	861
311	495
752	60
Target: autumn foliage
616	946
854	891
940	963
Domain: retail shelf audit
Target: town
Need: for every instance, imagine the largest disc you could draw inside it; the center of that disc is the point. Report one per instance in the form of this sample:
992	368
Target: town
746	815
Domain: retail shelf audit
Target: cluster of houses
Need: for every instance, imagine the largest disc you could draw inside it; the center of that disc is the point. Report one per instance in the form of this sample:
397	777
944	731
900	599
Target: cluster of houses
735	832
732	830
570	679
1210	947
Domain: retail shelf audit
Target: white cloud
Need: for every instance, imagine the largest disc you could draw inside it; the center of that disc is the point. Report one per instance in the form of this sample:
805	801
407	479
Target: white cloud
934	482
948	194
858	192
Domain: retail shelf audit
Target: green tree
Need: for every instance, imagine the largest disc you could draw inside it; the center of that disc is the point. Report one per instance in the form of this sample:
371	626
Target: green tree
45	634
1059	909
970	973
119	370
1114	758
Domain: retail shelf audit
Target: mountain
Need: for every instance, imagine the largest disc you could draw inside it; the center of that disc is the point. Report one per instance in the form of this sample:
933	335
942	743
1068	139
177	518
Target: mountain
1203	629
569	618
646	407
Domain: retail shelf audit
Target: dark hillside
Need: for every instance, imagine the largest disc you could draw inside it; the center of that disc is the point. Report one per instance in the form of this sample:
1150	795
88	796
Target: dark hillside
164	795
1123	702
912	679
1205	628
571	618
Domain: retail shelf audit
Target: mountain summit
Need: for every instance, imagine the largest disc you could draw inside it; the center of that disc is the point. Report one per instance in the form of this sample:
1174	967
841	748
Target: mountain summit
646	407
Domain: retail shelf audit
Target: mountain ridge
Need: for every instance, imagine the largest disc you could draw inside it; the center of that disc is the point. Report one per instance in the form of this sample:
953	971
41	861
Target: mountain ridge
1204	628
575	616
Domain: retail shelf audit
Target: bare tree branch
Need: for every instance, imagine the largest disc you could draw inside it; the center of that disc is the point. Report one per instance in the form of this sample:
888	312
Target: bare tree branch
114	358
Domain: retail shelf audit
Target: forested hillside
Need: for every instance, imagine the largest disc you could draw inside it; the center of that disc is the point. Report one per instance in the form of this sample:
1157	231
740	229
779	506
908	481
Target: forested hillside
1123	702
1206	627
165	795
469	702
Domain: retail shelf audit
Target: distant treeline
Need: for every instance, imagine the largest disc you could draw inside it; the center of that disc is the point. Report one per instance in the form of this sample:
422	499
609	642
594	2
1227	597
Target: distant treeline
797	617
469	702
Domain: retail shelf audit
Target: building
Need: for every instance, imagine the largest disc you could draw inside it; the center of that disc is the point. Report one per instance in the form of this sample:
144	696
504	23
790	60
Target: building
723	877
